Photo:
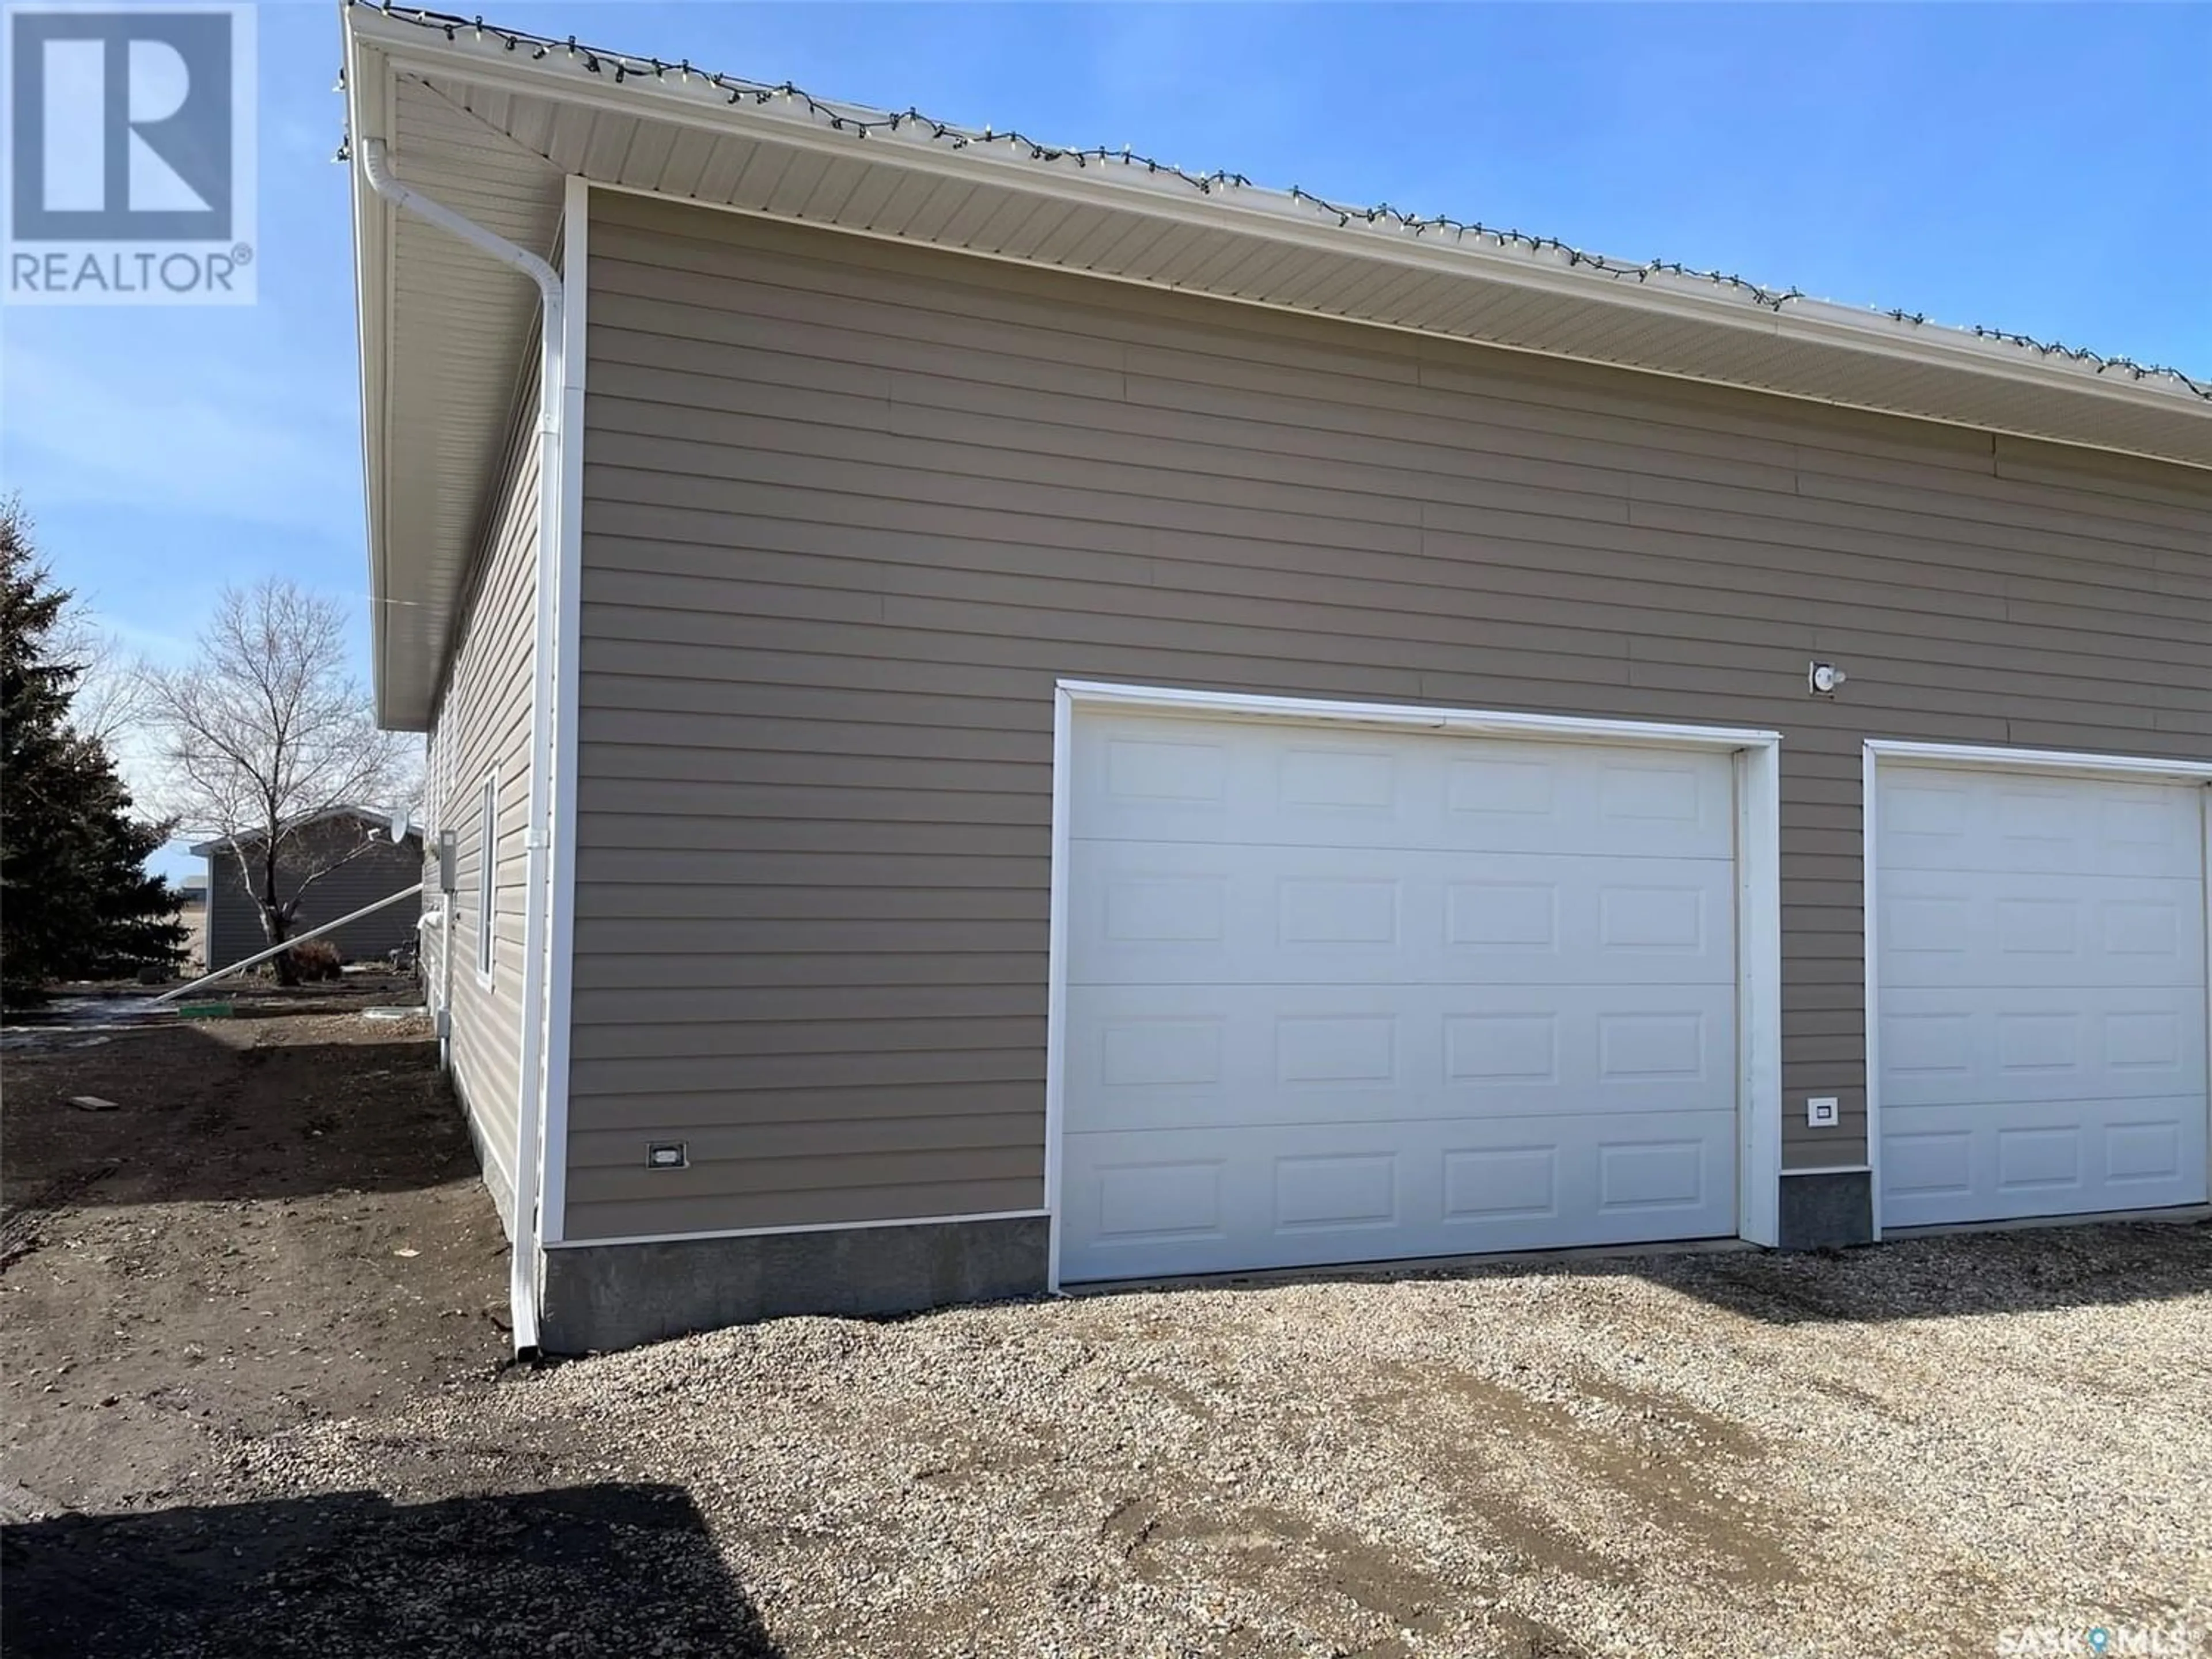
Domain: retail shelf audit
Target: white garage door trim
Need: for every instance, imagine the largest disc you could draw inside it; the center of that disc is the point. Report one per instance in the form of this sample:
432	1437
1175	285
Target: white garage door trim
1759	884
2047	762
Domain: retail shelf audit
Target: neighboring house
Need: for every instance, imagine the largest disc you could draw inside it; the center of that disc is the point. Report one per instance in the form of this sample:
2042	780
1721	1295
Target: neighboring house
192	915
1012	718
364	865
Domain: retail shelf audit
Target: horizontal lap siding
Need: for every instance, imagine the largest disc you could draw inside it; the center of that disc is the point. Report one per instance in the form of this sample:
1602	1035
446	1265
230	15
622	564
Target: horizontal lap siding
234	931
482	727
850	509
234	920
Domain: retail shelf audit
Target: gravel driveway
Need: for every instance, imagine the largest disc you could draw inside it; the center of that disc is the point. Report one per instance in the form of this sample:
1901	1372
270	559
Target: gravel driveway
1923	1449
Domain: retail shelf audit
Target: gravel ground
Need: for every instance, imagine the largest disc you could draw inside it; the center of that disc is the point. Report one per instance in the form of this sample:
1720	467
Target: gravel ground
1922	1449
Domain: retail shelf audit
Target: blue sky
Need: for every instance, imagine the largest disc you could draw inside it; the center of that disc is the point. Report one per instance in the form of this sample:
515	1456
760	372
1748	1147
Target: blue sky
2044	168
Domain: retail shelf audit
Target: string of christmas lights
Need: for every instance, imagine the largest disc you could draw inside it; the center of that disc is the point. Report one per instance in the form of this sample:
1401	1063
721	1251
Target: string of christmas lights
1459	229
864	123
2095	360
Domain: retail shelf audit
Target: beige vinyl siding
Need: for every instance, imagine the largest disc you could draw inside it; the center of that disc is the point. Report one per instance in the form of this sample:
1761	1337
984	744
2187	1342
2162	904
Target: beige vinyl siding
851	508
482	727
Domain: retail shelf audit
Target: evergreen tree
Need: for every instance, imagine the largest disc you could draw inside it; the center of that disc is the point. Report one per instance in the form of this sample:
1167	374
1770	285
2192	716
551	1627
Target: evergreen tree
75	900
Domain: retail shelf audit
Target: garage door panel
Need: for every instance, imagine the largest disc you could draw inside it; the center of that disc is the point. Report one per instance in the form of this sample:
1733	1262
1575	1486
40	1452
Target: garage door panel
1266	783
2042	1011
1947	1047
1194	913
1990	928
1980	822
1342	995
1248	1056
1218	1200
1975	1162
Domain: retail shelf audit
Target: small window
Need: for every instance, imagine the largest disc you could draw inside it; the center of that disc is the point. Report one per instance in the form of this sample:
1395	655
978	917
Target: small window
487	857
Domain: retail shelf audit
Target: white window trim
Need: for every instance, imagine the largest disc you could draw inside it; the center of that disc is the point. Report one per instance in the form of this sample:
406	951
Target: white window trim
486	962
1759	894
2045	762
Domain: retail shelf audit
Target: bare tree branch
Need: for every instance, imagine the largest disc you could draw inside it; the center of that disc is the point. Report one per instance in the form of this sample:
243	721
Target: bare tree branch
111	695
264	732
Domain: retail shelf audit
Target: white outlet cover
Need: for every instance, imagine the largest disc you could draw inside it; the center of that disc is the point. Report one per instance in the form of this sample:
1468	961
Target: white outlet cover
1822	1112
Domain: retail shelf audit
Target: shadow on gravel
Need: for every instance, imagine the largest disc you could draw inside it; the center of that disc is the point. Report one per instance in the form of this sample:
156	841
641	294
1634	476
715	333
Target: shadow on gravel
2025	1270
587	1569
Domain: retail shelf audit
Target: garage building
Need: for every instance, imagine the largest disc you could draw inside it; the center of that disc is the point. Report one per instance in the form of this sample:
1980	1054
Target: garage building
1008	718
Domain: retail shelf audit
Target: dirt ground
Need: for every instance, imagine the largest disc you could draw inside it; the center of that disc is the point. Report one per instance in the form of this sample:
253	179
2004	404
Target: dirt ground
247	1424
221	1252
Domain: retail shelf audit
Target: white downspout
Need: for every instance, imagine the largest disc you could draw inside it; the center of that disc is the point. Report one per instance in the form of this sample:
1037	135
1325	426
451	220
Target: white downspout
522	1275
448	899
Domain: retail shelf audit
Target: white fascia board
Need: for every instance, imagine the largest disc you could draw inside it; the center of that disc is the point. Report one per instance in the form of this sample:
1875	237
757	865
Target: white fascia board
1257	211
640	99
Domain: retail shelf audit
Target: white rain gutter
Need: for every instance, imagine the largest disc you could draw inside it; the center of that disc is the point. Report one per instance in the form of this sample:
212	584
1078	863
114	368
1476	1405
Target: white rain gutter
529	1149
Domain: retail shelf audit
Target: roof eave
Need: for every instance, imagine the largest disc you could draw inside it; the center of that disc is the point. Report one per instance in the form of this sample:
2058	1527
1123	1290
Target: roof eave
695	105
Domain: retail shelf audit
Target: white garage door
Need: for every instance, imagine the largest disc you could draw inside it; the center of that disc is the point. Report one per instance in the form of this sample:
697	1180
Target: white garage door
2041	995
1340	996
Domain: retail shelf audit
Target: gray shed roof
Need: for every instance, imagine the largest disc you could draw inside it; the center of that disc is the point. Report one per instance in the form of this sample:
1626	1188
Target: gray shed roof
369	815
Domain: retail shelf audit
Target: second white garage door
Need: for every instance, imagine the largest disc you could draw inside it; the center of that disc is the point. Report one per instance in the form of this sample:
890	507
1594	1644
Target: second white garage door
1342	996
2040	994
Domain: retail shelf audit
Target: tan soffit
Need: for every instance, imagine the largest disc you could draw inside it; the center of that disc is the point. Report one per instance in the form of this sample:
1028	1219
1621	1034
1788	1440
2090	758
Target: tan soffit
491	121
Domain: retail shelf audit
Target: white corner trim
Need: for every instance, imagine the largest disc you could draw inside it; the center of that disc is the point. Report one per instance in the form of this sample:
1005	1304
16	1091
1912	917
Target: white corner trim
567	644
1759	991
1055	1038
806	1227
2150	767
1758	877
1870	951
